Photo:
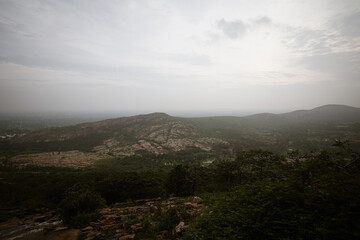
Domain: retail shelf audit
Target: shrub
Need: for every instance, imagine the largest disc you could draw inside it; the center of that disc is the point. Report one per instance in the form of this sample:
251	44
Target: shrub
79	205
179	182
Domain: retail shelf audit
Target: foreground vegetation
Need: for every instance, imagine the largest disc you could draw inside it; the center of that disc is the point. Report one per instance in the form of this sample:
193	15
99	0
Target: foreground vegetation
315	197
256	195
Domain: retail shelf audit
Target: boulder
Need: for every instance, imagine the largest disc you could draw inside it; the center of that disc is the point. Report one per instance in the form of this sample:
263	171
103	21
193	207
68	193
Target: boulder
127	237
190	205
136	227
60	229
197	199
40	218
89	228
180	227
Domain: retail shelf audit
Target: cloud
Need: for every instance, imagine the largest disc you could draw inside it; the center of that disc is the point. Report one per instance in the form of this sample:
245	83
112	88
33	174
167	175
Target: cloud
237	29
344	65
277	74
307	41
191	59
211	38
161	47
262	20
341	33
348	25
332	48
232	29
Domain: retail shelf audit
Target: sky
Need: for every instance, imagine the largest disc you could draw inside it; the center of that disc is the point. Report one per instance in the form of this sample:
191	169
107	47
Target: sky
178	55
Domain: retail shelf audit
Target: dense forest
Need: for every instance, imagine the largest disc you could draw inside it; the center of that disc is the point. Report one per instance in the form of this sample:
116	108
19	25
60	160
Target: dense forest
255	195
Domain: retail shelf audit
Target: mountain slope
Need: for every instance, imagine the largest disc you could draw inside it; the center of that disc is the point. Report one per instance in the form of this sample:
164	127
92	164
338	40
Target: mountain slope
323	114
326	113
160	133
156	133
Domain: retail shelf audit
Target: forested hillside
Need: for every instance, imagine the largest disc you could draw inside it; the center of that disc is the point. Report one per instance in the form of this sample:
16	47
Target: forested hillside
257	195
266	176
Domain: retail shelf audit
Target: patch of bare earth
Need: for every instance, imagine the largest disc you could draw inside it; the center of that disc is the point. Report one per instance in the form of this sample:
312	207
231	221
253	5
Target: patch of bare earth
64	159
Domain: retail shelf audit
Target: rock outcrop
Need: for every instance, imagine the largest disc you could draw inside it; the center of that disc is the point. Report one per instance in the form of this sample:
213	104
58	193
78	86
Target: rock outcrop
127	220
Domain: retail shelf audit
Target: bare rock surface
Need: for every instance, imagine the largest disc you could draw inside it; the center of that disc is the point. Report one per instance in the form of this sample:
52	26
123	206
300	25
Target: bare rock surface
121	221
127	220
32	227
156	133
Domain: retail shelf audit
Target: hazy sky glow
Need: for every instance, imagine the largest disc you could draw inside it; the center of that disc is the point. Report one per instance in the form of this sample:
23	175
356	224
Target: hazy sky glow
181	55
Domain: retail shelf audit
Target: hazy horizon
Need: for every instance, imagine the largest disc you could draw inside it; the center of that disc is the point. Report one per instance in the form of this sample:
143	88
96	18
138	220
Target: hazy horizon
185	58
102	115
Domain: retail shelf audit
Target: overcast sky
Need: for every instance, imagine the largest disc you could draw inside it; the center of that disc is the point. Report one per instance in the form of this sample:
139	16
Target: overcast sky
180	55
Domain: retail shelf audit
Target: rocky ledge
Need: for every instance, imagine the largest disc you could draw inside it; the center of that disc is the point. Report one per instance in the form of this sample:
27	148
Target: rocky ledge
144	219
141	219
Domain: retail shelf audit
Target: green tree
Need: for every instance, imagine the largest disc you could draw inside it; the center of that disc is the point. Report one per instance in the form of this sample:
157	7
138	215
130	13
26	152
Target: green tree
79	205
180	182
317	198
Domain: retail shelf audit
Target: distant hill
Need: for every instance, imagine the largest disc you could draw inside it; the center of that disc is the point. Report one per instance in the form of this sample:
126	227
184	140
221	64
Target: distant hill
156	133
324	114
159	133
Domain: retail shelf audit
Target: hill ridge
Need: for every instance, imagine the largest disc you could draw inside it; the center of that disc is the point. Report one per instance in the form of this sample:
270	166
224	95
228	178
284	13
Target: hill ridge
160	133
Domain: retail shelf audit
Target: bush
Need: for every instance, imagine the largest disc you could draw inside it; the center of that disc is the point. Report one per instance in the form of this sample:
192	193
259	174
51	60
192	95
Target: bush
317	199
83	220
261	210
179	182
79	205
